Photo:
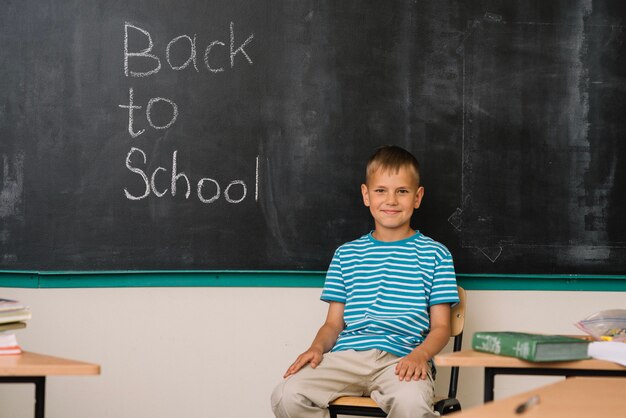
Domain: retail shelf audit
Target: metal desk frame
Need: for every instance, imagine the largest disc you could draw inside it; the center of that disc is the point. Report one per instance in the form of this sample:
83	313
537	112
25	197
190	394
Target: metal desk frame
40	390
492	372
35	368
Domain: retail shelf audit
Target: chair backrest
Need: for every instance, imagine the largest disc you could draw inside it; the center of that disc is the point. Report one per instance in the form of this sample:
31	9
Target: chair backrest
457	314
457	323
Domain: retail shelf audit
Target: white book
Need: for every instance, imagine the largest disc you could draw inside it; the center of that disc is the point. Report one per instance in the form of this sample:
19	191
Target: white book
609	351
11	305
15	316
8	340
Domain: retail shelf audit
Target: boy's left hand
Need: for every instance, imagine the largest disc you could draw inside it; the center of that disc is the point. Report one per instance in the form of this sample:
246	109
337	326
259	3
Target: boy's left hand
414	366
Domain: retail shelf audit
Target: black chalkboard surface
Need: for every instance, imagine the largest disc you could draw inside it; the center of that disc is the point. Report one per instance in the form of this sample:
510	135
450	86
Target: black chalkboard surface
231	134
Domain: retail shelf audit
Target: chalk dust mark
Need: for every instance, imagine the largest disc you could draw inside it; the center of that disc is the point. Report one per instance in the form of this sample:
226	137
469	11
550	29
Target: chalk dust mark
455	219
492	253
12	185
492	17
269	209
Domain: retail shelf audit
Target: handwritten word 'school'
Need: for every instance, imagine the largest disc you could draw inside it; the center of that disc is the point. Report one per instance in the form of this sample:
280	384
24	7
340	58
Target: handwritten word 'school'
208	189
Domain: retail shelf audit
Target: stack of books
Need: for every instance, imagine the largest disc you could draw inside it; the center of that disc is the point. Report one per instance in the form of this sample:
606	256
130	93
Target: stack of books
13	316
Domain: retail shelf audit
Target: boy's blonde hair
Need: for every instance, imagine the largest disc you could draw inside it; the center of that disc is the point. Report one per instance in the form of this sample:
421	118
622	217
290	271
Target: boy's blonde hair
392	158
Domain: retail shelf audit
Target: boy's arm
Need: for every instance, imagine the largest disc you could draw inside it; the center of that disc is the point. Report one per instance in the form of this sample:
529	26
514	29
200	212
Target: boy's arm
415	365
324	340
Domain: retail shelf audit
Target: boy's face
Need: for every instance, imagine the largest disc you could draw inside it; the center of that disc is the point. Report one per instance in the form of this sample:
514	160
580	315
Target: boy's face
392	198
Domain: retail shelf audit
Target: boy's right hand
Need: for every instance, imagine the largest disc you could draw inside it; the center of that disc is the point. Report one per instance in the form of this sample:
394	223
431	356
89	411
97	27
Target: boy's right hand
323	342
312	356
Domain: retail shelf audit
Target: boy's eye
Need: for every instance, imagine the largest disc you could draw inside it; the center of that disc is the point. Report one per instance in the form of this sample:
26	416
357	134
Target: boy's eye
379	190
403	191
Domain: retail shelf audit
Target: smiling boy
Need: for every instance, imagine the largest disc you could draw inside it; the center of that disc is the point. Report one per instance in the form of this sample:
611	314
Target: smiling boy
389	294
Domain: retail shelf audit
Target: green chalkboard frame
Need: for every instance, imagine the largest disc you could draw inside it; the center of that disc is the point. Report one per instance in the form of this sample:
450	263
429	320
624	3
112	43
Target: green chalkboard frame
314	279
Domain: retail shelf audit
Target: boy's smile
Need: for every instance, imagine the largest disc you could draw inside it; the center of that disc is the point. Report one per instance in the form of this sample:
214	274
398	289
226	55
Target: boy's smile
392	197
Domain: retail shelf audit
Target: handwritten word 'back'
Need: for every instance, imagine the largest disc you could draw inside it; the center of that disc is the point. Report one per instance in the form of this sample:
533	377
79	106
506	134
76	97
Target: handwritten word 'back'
211	55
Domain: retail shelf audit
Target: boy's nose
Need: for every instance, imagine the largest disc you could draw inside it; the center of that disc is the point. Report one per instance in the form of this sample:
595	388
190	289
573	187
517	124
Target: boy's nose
391	199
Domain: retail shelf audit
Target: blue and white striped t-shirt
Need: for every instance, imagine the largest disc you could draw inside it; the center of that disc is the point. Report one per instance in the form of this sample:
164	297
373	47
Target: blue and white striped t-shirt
387	289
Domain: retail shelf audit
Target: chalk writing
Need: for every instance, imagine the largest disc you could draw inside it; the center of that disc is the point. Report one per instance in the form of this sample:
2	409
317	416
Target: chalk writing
192	54
235	192
147	52
131	118
208	190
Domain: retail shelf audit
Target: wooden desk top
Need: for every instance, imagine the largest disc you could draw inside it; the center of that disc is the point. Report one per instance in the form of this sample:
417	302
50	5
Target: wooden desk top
471	358
32	364
574	397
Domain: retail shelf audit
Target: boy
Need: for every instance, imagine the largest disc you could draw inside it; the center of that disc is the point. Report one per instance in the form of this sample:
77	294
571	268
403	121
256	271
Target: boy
389	295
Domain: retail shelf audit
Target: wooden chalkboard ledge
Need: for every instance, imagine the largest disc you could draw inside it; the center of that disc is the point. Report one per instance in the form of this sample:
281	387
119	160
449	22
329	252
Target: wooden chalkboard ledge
313	279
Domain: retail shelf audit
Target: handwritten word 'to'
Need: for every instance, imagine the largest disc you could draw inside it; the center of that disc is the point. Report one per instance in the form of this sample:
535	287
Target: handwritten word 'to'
132	107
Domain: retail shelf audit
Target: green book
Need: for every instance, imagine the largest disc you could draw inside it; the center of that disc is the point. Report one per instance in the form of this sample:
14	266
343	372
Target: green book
11	326
532	347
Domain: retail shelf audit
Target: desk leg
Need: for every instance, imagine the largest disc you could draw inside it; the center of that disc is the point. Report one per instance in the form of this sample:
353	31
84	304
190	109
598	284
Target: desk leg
40	396
40	390
490	375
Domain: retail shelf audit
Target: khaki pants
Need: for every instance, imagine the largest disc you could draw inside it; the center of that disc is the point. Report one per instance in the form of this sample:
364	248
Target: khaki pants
353	373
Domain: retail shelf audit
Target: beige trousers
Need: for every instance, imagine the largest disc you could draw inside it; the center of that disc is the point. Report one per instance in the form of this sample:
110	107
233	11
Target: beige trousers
353	373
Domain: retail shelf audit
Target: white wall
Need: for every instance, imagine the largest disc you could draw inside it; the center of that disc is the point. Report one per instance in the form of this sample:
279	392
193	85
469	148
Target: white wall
218	352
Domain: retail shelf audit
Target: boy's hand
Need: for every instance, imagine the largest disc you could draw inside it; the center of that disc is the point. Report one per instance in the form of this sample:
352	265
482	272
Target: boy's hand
324	340
310	356
413	366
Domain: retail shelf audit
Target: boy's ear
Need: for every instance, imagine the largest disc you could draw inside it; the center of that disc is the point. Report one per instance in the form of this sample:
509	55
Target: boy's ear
419	195
366	198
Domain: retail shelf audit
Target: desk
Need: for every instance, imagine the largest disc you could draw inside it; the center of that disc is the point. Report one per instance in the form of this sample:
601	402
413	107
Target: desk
576	397
495	365
34	368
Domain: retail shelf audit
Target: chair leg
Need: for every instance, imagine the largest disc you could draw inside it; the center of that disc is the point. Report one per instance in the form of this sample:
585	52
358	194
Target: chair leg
447	406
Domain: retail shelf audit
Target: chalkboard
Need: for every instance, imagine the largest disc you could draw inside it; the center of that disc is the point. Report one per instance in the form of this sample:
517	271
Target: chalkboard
232	135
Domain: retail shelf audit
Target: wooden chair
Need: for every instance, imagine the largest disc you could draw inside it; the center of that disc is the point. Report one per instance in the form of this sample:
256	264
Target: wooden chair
365	406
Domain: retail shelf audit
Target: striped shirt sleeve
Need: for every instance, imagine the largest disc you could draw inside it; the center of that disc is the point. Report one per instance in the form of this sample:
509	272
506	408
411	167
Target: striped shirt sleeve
444	279
334	287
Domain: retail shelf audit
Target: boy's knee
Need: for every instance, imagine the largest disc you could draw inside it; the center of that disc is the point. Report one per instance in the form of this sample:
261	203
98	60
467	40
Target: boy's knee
277	395
282	399
288	401
411	403
415	407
